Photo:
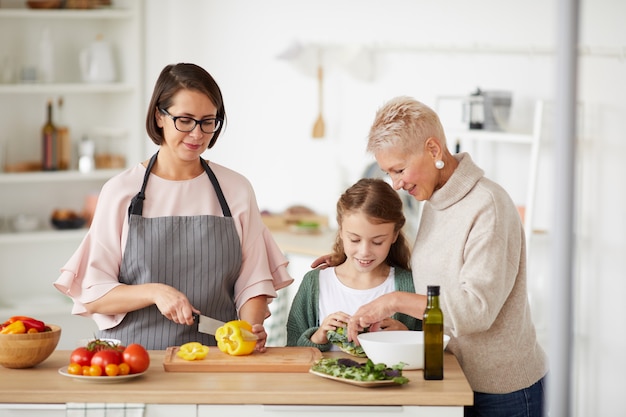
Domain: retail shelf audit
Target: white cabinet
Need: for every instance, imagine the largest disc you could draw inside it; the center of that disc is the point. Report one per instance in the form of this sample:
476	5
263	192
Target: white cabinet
110	113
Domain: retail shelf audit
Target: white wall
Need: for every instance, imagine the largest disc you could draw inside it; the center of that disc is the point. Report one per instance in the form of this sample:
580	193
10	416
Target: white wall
272	105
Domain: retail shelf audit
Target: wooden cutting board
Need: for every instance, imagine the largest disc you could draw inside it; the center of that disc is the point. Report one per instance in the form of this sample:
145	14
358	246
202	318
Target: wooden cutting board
274	359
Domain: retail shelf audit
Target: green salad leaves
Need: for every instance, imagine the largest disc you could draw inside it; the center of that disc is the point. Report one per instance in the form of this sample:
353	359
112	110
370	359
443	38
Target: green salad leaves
340	339
368	371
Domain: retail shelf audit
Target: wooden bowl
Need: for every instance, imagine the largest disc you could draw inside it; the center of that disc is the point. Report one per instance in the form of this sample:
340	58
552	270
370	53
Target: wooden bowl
44	4
28	349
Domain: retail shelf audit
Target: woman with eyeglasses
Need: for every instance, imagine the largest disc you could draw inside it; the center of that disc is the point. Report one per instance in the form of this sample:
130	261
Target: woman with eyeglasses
176	235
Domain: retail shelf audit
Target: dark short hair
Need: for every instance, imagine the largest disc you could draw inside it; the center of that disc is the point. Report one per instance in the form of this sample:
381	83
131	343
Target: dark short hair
182	76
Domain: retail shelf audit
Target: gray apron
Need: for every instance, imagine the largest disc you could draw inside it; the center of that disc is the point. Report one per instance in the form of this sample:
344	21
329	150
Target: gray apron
198	255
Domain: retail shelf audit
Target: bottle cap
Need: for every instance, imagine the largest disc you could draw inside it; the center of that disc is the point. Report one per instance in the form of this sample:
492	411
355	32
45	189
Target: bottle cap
433	290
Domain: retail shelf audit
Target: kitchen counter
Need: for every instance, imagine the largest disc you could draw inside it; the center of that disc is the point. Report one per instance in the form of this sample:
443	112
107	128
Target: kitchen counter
44	385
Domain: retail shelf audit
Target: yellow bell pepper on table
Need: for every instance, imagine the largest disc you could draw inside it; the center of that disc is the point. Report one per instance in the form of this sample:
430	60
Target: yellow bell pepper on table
236	338
192	351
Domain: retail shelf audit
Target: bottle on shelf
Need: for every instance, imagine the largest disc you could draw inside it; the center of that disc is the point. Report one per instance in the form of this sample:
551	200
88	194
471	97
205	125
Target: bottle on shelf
86	162
50	145
64	141
432	324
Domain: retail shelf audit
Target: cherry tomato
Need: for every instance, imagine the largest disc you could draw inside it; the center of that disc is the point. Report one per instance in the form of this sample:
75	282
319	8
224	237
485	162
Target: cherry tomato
105	357
124	368
95	370
81	356
137	358
74	369
86	370
112	369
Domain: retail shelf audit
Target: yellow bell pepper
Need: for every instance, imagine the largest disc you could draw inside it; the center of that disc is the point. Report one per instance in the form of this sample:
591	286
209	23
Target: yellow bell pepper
232	340
192	351
14	328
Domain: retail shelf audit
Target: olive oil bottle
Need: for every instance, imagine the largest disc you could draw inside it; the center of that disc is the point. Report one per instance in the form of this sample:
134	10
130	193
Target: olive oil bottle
50	158
64	148
433	335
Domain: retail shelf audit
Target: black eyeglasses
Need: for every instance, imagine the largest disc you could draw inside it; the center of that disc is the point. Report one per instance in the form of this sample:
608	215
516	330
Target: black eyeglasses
187	124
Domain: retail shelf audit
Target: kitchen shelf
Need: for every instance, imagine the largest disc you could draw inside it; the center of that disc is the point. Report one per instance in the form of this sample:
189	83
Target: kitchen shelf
57	176
43	236
110	114
66	14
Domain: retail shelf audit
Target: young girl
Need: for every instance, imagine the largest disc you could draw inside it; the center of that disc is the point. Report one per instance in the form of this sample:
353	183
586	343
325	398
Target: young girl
372	258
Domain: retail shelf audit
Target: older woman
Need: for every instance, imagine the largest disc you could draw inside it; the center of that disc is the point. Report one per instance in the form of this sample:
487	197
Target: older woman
470	242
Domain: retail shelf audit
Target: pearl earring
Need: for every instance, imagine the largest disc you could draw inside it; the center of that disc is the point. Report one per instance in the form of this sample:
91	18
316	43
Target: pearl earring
439	164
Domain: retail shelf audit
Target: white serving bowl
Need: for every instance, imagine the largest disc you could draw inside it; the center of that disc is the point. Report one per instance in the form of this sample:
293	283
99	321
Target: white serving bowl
394	346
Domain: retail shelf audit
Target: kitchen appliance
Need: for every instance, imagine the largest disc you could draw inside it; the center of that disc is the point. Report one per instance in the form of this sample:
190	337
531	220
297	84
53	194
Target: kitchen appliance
480	110
476	104
497	107
210	325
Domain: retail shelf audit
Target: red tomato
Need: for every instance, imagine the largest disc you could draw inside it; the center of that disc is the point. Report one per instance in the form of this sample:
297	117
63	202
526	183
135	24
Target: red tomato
81	356
137	358
105	357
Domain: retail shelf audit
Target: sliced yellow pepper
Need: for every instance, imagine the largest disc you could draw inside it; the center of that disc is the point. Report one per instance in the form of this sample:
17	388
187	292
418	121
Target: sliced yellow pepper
14	328
192	351
231	339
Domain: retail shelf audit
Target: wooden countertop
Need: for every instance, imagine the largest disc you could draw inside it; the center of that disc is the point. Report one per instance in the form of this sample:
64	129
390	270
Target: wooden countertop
43	384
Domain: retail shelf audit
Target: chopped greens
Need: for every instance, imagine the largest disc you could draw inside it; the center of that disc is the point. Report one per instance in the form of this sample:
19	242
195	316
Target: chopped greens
340	339
368	371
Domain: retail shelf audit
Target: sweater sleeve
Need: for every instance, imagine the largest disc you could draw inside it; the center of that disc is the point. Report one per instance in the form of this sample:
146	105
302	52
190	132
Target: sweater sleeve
404	282
303	318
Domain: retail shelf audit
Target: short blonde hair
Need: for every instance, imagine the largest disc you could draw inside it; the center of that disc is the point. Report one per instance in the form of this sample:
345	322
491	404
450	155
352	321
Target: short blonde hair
404	122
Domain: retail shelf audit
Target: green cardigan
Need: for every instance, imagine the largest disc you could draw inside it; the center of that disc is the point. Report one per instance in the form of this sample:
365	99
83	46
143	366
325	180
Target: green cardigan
303	318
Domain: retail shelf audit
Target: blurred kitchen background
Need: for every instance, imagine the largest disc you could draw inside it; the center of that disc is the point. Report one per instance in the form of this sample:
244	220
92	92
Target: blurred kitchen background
265	56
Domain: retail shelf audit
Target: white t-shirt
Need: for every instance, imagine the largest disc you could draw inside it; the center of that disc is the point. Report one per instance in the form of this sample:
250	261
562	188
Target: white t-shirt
335	296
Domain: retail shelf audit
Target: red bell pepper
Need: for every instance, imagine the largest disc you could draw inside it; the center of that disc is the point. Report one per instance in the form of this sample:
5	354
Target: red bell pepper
33	324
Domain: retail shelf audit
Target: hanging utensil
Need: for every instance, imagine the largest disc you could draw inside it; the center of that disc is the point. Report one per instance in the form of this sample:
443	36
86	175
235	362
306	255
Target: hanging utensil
318	127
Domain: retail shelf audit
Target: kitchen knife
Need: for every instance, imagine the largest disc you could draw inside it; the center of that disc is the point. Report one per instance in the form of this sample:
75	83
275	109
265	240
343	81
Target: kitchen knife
210	325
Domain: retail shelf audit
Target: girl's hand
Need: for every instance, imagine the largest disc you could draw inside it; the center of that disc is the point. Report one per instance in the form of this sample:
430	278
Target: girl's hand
331	322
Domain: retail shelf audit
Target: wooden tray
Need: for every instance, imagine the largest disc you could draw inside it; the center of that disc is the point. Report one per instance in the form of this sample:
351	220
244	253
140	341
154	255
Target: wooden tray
275	359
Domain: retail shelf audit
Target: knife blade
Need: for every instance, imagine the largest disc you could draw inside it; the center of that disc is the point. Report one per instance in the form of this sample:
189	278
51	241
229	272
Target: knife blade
210	325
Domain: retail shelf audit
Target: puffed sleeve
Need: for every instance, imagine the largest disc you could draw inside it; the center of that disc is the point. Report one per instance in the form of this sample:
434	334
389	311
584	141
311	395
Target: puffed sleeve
93	270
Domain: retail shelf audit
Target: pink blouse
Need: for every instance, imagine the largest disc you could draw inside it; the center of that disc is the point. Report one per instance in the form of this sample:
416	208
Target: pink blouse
94	268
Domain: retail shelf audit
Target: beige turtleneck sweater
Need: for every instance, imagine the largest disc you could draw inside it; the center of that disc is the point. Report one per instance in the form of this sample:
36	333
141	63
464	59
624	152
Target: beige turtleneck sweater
471	242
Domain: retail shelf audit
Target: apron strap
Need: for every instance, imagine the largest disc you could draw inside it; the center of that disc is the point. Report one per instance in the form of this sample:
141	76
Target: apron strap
136	204
218	189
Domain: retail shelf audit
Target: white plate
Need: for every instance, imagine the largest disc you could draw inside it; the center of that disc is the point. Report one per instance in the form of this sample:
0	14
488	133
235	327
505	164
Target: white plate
365	384
99	379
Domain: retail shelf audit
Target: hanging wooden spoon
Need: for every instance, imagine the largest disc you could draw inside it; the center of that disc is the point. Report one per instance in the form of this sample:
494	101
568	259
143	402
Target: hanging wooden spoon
318	127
